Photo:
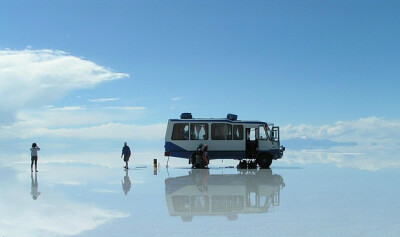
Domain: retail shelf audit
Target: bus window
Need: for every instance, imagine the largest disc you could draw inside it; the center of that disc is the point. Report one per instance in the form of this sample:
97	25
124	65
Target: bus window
228	131
200	203
180	131
251	134
181	204
198	131
262	133
275	134
269	132
218	131
237	132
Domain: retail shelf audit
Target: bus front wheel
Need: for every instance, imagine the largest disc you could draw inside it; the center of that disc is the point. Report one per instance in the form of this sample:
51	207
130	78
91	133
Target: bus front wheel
264	160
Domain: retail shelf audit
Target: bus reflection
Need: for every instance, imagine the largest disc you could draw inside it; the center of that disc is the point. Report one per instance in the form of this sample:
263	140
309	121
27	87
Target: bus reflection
203	194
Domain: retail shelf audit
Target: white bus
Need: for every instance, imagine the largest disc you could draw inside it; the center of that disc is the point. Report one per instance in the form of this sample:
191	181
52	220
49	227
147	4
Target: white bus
250	142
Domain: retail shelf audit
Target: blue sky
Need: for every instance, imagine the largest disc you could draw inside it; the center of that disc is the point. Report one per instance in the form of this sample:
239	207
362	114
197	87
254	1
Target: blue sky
124	65
308	62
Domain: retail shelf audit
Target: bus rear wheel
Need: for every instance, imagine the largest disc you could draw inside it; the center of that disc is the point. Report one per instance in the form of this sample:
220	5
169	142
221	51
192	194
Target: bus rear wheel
264	161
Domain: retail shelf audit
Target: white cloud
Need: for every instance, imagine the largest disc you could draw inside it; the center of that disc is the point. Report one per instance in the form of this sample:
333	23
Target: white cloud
48	106
79	117
108	131
376	143
39	122
176	98
68	108
103	131
364	131
126	108
30	78
103	100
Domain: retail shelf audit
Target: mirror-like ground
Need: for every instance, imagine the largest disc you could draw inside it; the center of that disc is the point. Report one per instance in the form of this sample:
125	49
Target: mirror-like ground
71	199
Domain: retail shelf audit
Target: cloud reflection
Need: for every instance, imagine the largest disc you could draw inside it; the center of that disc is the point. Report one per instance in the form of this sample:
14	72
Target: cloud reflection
52	212
53	218
360	157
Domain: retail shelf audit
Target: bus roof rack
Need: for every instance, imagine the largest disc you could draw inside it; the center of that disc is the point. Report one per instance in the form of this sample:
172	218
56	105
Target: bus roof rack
231	117
186	116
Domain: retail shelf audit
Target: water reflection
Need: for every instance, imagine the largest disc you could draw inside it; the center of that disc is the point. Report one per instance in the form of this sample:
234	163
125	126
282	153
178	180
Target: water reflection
126	184
34	187
203	194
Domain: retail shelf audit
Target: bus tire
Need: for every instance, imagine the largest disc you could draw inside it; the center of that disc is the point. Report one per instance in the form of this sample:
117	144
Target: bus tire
264	161
242	164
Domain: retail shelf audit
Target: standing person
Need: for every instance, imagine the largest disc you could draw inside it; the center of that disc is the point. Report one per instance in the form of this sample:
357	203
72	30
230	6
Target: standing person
34	156
126	152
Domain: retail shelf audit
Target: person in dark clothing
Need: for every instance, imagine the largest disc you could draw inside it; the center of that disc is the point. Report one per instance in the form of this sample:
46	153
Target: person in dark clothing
205	155
126	152
34	156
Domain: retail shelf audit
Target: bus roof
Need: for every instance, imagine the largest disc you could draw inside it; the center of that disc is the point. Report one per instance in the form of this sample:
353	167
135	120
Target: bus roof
221	120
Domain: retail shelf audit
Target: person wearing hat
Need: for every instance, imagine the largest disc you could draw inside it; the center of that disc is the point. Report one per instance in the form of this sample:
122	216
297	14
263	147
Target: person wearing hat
126	152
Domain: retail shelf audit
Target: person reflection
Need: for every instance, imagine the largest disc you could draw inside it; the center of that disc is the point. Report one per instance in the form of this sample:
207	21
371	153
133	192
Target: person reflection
126	184
200	178
34	187
201	202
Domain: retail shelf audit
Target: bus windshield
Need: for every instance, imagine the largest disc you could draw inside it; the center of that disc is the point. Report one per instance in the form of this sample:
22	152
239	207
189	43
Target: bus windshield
264	132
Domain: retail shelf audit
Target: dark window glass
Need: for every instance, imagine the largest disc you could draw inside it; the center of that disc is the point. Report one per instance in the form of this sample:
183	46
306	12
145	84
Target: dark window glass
237	132
228	132
218	131
180	131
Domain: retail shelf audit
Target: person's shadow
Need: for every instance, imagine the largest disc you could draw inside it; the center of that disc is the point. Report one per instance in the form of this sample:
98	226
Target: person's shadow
126	184
34	187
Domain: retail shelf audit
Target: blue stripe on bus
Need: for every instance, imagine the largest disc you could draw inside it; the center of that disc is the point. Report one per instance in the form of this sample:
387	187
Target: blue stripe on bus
171	147
211	154
177	151
236	155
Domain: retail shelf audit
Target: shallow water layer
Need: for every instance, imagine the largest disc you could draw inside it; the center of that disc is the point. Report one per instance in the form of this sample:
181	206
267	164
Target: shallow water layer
91	200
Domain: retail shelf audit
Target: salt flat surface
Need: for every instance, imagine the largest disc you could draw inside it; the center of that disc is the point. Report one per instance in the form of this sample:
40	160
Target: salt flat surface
288	200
